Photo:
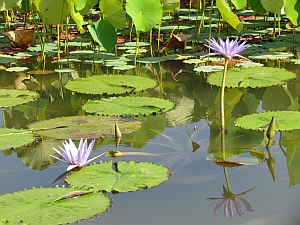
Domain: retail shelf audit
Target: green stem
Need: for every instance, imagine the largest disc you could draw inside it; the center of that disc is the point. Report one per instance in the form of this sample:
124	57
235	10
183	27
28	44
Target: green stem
222	108
227	179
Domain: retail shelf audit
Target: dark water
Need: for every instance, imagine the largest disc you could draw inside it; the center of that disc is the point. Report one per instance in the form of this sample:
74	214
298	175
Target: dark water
183	198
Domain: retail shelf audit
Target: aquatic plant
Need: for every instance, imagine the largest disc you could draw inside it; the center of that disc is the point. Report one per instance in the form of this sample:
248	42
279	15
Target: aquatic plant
76	157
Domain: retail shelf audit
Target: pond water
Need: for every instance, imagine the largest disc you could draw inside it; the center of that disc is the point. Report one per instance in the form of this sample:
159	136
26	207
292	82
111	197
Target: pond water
183	140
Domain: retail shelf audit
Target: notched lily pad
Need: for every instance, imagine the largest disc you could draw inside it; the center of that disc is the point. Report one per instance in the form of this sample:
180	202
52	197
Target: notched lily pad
76	127
13	138
253	77
10	98
119	177
110	84
285	120
129	105
51	206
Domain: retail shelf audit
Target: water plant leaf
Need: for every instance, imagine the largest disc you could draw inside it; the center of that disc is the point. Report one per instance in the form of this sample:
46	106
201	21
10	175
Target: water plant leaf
114	13
208	69
257	7
17	69
77	17
16	97
121	176
129	105
239	4
292	9
19	38
55	11
13	138
145	14
170	6
51	206
76	127
228	15
253	77
274	6
104	33
285	120
9	4
110	84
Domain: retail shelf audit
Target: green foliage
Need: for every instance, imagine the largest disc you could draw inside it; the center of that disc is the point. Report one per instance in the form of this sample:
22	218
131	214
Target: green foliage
228	15
259	154
253	77
239	4
292	10
113	12
9	4
110	84
257	7
130	105
50	206
121	176
285	120
76	127
104	33
13	138
145	14
274	6
170	6
16	97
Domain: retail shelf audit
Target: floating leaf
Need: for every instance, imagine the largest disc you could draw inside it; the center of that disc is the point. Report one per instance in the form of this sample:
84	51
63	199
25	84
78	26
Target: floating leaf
13	138
76	127
129	105
42	205
121	176
208	69
253	77
16	97
285	120
17	69
226	163
110	84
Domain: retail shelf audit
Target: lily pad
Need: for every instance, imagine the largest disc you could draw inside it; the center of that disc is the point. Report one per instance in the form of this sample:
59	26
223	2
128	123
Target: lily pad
208	69
285	120
51	206
253	77
119	177
129	105
110	84
76	127
13	138
10	98
17	69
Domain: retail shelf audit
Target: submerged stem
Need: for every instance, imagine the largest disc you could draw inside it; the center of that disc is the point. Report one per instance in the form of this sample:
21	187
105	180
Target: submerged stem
222	108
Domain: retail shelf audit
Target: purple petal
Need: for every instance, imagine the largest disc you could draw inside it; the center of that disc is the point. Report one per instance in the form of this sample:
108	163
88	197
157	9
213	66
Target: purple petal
238	207
246	203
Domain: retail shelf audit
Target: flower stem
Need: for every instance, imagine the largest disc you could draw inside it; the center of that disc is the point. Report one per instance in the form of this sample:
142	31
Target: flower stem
222	108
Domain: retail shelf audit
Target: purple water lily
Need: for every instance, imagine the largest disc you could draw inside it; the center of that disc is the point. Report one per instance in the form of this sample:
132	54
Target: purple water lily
229	200
227	49
76	157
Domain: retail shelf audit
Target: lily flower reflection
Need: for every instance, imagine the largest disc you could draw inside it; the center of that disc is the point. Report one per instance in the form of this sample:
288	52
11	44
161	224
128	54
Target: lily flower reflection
229	200
227	49
76	157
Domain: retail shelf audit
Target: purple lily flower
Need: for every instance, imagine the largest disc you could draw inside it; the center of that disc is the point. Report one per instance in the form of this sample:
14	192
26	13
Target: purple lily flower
229	200
76	157
227	49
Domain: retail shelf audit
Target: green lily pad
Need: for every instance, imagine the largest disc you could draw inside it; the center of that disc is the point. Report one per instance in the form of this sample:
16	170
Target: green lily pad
76	127
249	64
272	55
208	69
10	98
13	138
110	84
64	70
285	120
51	206
129	105
152	59
17	69
119	177
253	77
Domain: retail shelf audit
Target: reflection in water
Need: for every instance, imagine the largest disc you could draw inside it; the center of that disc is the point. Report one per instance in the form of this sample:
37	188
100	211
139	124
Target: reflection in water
229	200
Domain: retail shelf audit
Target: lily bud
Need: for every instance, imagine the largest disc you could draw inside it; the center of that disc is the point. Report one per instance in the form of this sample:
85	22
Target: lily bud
271	129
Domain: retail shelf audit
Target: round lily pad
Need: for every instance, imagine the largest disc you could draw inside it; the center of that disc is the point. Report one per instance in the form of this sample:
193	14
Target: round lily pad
110	84
10	98
51	206
76	127
13	138
129	105
119	177
253	77
17	69
208	68
285	120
